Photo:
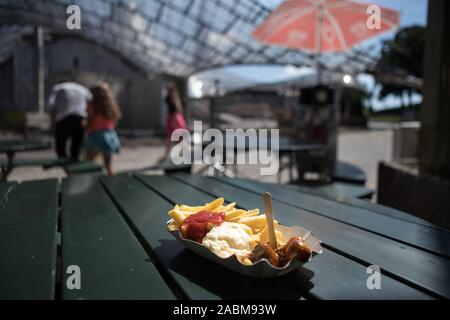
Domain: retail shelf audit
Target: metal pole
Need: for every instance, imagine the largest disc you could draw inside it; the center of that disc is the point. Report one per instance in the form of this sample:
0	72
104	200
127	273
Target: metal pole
319	35
40	68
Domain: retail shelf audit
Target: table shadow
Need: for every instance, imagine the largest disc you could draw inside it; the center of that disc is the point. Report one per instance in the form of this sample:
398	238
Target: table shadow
227	284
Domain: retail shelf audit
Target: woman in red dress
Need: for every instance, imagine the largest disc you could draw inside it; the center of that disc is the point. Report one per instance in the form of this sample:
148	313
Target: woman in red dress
175	119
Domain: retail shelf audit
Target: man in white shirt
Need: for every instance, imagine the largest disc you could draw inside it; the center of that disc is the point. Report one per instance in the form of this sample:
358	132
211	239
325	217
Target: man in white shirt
68	108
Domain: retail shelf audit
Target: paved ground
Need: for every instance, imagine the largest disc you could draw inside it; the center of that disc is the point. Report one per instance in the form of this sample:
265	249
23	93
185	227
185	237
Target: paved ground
364	148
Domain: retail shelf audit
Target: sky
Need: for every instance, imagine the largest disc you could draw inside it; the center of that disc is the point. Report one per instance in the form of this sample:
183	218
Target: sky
411	12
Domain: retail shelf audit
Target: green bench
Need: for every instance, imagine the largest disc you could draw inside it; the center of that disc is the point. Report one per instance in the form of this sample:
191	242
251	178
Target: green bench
352	195
83	167
70	167
347	172
96	238
171	168
28	240
411	252
194	277
38	162
5	189
334	274
114	230
6	169
336	190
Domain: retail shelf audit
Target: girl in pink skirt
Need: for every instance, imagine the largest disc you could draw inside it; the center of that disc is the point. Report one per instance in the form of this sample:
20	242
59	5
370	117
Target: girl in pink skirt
175	119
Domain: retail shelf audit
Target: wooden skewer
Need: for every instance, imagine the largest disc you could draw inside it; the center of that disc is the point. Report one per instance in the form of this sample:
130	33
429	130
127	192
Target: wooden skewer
269	216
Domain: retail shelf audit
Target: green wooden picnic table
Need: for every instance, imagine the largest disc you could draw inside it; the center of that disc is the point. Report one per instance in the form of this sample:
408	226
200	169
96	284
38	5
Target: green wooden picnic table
113	230
11	147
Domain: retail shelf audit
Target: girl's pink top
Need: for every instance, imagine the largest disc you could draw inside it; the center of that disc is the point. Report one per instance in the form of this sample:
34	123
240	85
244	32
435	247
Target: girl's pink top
175	121
98	121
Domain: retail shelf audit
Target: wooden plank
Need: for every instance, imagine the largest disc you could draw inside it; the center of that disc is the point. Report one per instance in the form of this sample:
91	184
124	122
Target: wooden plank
336	190
346	172
433	240
83	167
359	203
23	145
390	212
364	204
169	167
198	278
32	162
5	189
328	276
97	239
352	202
415	267
28	241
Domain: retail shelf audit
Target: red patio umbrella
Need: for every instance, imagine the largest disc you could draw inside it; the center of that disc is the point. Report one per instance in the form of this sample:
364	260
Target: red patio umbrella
324	25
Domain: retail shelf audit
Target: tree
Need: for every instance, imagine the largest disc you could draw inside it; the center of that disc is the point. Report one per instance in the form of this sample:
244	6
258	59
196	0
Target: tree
402	56
352	106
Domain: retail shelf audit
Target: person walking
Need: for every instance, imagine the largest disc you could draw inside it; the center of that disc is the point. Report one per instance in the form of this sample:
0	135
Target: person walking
103	115
175	119
68	105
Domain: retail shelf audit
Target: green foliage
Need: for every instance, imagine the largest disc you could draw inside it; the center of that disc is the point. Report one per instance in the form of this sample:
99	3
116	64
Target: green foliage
403	55
352	107
352	101
12	120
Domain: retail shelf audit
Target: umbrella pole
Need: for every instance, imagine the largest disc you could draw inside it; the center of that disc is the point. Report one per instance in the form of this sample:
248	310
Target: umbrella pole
319	37
319	70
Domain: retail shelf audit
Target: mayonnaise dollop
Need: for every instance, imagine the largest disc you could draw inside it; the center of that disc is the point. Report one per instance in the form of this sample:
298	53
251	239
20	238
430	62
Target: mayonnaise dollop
228	239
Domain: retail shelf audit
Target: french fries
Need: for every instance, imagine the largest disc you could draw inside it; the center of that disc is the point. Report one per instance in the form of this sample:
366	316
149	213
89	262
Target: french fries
232	215
181	212
212	206
251	221
242	214
178	216
256	223
229	207
264	235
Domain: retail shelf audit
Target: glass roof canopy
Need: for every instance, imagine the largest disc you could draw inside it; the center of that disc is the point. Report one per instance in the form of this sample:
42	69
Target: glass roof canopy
175	37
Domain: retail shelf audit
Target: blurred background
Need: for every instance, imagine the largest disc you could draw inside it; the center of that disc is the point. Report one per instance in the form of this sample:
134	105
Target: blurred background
378	107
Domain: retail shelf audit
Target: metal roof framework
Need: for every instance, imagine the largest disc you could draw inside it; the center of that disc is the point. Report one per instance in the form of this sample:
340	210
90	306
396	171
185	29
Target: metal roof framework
174	37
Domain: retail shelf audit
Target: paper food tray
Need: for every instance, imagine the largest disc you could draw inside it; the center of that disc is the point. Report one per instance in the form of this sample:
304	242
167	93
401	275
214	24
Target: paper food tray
262	268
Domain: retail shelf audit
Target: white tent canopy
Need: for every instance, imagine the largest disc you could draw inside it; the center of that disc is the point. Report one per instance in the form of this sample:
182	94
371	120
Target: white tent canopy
176	37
